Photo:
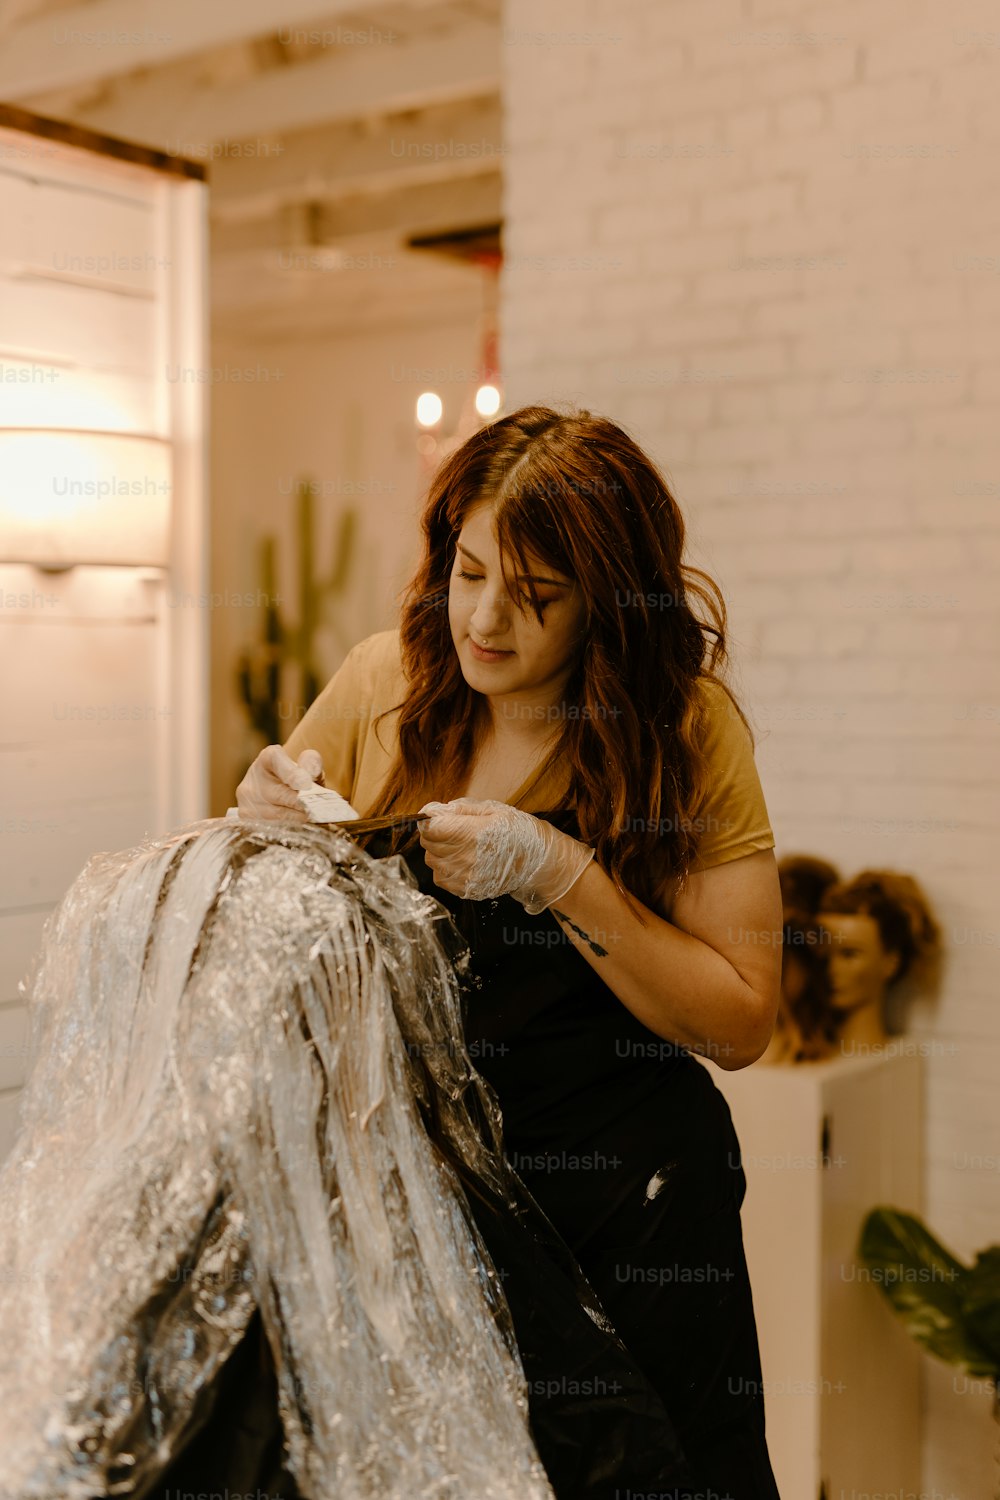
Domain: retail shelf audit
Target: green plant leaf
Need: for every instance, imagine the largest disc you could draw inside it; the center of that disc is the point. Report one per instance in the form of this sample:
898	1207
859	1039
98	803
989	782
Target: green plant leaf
343	556
981	1300
927	1288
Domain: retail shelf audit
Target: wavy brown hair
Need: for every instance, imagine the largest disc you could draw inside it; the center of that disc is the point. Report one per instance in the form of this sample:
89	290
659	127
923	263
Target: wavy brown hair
578	493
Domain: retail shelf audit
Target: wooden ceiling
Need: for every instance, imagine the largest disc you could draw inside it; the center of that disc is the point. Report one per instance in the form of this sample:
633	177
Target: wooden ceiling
337	138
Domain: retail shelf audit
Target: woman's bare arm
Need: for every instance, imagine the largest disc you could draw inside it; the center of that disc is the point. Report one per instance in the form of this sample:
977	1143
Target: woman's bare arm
708	976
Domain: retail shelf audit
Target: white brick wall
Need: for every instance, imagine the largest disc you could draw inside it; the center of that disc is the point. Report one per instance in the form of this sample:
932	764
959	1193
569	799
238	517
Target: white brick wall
692	154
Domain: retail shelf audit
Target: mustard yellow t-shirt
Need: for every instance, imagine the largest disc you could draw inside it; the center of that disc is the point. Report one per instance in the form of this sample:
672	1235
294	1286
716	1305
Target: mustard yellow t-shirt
357	755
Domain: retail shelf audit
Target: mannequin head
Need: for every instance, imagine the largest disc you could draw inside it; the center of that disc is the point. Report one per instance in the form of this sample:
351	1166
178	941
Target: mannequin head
805	1028
880	929
803	879
847	945
807	1020
861	969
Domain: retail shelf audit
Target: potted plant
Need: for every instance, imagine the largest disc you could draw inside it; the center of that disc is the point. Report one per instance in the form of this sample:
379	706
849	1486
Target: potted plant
951	1309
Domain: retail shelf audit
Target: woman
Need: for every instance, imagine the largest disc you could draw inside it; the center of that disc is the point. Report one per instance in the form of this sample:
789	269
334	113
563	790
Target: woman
598	832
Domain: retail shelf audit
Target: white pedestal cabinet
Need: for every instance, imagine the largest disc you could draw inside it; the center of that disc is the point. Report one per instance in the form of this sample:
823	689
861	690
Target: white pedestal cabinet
822	1144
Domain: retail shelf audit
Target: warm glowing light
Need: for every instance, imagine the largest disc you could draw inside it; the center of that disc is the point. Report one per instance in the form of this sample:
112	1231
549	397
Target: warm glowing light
429	409
40	395
83	497
487	400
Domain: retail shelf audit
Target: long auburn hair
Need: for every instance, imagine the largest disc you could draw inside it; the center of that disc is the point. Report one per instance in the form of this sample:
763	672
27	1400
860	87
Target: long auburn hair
577	492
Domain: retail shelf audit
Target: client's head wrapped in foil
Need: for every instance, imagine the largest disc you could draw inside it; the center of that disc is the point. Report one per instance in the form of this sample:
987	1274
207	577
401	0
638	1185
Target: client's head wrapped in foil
248	1089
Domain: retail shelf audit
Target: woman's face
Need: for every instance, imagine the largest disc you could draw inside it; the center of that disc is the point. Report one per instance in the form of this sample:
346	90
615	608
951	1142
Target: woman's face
528	663
860	968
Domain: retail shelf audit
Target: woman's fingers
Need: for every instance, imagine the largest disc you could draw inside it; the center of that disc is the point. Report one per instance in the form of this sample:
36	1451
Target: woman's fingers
271	786
449	837
439	839
276	759
311	762
282	781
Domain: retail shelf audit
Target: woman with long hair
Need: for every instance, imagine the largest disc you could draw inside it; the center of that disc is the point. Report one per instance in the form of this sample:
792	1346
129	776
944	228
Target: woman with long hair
554	703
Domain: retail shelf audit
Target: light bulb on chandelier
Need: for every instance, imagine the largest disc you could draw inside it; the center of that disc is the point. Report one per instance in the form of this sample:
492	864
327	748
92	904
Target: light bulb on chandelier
430	409
487	400
438	434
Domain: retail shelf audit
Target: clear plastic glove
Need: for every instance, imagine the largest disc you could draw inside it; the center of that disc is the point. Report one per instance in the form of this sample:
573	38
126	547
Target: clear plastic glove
481	850
271	787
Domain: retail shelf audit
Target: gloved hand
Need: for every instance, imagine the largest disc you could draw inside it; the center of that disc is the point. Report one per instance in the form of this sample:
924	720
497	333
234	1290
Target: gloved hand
271	786
480	850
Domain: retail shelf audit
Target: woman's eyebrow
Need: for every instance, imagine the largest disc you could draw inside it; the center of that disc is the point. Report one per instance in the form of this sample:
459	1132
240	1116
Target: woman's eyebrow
524	577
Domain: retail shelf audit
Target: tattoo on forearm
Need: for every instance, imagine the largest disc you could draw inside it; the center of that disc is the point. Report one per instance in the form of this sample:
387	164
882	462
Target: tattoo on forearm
594	947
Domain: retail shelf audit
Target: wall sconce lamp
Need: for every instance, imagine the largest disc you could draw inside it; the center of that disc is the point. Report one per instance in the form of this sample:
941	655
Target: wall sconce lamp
71	496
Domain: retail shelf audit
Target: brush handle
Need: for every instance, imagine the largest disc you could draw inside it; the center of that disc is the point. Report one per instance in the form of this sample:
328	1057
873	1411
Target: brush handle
376	825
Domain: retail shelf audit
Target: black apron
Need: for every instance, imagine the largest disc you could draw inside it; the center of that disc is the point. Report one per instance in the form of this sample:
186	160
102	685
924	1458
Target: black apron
627	1145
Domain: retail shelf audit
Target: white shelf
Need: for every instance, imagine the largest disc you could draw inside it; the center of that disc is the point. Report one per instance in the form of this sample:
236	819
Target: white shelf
823	1144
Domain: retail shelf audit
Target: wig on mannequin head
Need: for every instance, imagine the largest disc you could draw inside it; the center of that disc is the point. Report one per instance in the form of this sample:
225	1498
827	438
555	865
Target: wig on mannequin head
804	878
906	926
806	989
806	1025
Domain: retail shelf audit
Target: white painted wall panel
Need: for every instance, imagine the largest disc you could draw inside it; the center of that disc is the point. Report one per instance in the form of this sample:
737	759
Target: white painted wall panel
101	285
59	322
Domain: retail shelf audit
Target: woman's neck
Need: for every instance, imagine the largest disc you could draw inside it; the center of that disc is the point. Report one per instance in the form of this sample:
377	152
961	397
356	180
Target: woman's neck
522	721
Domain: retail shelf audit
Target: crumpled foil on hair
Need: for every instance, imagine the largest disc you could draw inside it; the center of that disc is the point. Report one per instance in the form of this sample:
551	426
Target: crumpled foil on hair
234	1030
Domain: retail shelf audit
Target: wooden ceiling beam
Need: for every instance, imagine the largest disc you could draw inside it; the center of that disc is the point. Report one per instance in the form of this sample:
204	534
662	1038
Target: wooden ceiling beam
89	43
193	117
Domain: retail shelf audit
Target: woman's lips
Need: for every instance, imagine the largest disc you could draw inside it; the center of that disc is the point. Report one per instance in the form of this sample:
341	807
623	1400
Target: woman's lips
481	655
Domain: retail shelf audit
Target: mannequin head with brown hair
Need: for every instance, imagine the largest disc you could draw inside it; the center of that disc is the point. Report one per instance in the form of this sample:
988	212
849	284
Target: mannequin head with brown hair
881	931
803	879
806	1026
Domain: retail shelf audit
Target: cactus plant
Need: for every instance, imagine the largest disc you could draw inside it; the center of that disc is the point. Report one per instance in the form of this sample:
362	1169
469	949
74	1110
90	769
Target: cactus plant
261	670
